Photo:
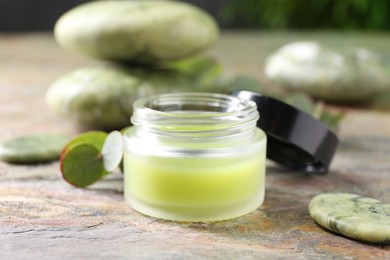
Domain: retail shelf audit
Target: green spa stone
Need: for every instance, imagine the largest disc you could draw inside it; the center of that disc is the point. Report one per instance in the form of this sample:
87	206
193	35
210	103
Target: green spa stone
357	217
102	97
137	31
333	72
31	149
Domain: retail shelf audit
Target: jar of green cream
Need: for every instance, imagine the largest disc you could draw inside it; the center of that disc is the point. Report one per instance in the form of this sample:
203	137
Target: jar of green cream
194	157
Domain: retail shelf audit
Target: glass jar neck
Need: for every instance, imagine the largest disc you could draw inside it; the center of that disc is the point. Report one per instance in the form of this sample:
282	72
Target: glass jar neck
202	116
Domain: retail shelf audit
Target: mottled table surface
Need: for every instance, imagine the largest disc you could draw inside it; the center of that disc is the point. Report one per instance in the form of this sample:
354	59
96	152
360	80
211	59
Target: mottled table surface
42	217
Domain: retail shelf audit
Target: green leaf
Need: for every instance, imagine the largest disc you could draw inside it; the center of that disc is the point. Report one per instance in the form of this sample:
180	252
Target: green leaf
90	156
243	82
82	165
95	138
112	151
73	170
304	102
301	101
198	67
332	120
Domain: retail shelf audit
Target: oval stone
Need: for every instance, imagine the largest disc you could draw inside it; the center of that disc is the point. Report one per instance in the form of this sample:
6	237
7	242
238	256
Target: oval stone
32	149
103	97
329	72
353	216
138	31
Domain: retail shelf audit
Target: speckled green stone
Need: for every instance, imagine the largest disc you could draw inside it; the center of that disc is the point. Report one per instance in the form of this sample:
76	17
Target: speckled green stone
31	149
353	216
332	72
138	31
103	97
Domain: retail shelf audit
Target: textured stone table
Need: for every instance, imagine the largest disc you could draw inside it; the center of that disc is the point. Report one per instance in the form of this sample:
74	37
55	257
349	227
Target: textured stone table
42	217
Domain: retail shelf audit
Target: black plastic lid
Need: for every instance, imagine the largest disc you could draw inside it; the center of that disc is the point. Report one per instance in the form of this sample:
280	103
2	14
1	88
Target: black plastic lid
295	139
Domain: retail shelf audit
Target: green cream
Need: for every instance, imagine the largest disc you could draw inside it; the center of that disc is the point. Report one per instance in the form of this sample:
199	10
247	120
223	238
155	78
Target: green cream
194	188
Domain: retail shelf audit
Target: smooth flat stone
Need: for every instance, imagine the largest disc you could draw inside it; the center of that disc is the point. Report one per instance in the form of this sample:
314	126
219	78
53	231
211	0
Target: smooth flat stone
353	216
329	71
30	149
103	97
138	31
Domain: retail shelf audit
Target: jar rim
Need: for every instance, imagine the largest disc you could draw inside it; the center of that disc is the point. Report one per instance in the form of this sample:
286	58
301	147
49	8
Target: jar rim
199	108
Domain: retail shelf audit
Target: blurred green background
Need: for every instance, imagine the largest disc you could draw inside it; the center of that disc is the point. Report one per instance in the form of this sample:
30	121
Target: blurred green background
40	15
307	14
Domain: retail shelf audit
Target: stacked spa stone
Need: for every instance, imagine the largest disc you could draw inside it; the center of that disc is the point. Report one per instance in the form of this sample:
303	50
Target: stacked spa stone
138	39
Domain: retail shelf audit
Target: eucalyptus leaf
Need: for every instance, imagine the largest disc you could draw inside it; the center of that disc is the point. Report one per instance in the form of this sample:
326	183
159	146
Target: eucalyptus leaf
90	156
198	67
243	82
95	138
82	165
112	151
301	101
304	102
332	120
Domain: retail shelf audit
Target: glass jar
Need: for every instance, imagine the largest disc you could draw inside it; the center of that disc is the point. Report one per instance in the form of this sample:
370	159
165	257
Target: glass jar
194	157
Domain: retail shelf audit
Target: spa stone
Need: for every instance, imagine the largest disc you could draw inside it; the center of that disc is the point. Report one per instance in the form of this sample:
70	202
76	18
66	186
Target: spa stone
353	216
31	149
328	71
137	31
102	97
